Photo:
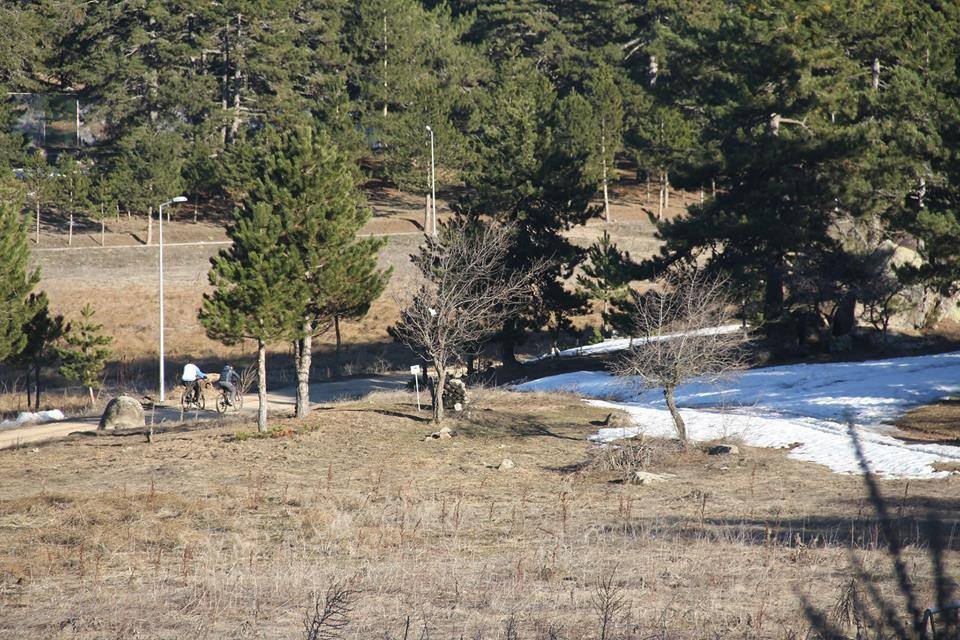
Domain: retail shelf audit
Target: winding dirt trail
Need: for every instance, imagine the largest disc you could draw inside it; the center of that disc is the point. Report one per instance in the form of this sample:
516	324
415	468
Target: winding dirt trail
280	401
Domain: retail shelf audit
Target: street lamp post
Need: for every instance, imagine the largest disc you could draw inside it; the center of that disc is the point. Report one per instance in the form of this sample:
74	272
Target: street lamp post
162	373
433	184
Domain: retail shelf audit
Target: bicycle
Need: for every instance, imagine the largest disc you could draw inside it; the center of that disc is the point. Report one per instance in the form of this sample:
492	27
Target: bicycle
223	406
188	401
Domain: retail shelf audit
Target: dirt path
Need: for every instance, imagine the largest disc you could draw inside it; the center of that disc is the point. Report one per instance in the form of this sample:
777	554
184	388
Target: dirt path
278	402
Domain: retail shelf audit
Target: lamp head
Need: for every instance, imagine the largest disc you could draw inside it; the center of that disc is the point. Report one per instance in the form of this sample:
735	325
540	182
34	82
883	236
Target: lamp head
429	129
179	199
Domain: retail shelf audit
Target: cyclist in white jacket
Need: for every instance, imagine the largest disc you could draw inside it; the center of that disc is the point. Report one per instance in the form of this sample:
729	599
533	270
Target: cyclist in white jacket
191	378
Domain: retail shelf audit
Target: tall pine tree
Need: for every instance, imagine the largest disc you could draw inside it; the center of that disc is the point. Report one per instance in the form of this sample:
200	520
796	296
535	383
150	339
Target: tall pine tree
259	291
16	282
311	186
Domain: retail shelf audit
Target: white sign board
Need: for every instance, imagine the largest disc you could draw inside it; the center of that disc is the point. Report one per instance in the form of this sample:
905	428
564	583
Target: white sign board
416	370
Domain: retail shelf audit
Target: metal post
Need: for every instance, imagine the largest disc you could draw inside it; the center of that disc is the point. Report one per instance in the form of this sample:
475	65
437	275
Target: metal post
162	390
162	372
416	384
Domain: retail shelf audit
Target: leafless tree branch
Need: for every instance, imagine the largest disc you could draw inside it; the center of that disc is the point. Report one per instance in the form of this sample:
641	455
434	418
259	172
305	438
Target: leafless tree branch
683	335
463	295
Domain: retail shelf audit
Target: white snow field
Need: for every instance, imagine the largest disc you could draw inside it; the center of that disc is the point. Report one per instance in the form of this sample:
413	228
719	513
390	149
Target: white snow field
805	407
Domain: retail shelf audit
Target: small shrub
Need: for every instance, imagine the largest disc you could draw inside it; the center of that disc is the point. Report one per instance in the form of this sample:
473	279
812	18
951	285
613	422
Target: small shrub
242	436
628	456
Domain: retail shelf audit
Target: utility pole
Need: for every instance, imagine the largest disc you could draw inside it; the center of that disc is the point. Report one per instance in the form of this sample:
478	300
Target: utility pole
162	372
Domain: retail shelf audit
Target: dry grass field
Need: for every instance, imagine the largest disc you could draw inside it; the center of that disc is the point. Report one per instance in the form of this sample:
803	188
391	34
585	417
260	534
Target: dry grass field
204	534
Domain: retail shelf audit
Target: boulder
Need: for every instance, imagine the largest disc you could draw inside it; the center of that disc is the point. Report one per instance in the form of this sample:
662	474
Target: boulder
506	464
123	412
445	433
723	450
645	477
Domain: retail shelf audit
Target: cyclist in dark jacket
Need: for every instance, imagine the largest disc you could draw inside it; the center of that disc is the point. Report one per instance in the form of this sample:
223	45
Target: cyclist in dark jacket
228	381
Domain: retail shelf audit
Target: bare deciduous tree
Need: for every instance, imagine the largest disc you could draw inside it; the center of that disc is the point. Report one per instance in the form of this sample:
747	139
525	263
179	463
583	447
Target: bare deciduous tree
463	296
684	331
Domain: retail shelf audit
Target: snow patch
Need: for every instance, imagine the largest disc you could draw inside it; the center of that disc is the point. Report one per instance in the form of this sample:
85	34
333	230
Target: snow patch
28	417
804	406
622	344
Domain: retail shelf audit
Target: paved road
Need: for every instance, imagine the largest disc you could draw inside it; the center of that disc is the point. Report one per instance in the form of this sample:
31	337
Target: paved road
280	401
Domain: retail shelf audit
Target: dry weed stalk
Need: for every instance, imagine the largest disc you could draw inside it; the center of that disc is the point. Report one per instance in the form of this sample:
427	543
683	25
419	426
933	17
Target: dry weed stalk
330	613
682	337
608	603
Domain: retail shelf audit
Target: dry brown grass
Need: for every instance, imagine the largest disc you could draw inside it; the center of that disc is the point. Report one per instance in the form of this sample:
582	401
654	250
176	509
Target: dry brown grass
935	421
200	535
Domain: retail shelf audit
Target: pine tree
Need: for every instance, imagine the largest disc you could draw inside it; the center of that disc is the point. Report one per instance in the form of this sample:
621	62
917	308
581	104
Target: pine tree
72	188
42	332
607	274
408	71
16	282
147	172
782	159
85	351
353	283
534	174
607	102
311	186
259	292
40	183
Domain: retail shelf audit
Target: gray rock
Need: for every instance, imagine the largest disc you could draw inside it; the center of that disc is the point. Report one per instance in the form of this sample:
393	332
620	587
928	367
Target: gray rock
723	450
506	464
645	477
123	412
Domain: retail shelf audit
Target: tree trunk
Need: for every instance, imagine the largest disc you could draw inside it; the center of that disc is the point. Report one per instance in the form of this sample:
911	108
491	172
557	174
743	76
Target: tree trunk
38	221
237	82
507	354
304	351
225	83
29	393
93	400
666	189
773	293
875	72
660	202
36	390
101	231
150	226
677	418
385	65
70	232
653	70
336	352
606	196
438	395
261	386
